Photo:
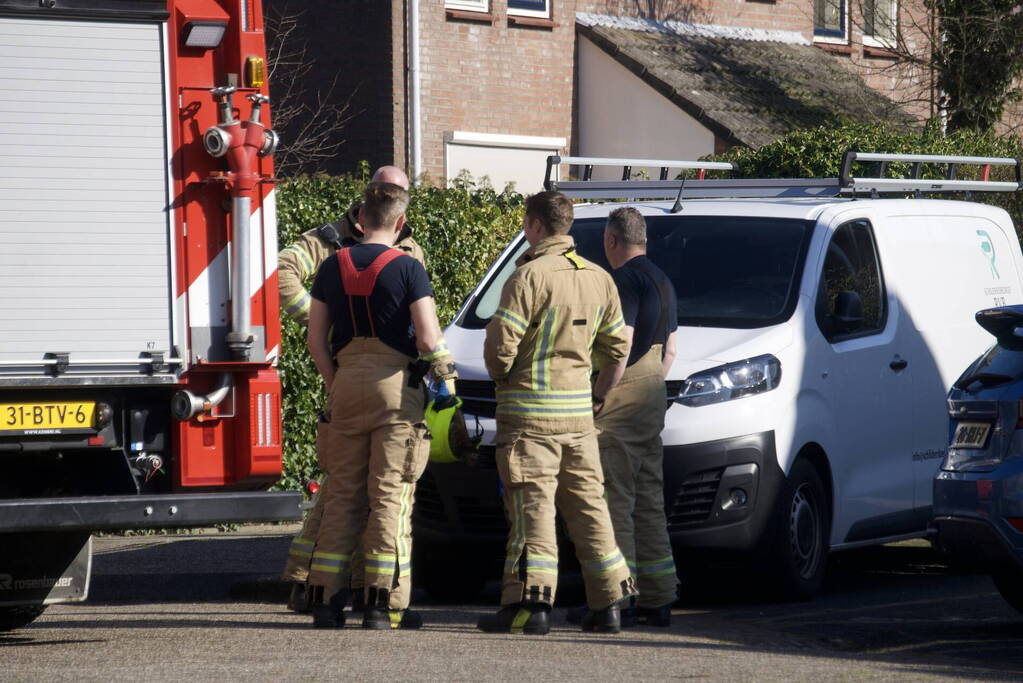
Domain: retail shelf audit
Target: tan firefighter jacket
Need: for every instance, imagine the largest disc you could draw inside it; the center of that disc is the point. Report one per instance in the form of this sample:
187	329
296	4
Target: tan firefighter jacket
300	261
558	313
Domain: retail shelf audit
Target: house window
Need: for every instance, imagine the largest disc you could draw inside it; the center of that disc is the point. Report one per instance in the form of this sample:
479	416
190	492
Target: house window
829	20
530	8
468	5
880	20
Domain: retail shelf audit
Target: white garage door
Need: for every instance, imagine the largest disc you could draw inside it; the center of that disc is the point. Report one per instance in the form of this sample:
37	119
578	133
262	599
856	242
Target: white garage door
84	238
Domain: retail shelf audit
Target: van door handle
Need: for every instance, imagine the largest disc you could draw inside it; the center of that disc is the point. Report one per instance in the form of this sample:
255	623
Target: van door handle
899	364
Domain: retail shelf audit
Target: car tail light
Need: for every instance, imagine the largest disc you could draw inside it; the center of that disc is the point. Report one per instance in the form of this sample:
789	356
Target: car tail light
1016	522
312	487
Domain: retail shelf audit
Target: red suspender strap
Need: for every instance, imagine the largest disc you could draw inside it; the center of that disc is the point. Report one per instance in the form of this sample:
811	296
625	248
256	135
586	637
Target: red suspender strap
361	282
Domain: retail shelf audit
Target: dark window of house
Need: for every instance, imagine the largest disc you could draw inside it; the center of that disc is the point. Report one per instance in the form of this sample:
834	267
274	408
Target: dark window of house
851	300
879	20
829	18
535	8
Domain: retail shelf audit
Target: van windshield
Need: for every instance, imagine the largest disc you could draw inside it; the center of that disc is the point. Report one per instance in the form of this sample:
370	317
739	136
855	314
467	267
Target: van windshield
737	272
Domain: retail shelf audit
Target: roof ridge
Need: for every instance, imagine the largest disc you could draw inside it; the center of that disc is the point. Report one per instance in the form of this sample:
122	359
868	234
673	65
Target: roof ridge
682	28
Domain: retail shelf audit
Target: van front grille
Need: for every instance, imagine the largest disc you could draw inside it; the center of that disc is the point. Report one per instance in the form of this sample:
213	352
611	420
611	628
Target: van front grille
428	507
477	396
695	499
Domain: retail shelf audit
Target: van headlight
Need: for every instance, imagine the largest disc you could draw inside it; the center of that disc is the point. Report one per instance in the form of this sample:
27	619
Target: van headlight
731	381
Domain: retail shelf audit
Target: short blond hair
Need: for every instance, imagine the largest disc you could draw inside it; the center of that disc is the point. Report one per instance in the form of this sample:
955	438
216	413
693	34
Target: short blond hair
383	204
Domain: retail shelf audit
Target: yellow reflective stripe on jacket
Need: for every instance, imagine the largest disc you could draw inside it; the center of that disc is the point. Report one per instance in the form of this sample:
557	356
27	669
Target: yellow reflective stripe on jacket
544	351
604	565
304	257
299	304
545	403
512	319
613	326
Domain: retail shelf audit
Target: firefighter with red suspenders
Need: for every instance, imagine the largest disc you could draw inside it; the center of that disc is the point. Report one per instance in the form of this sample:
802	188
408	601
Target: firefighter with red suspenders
372	313
297	263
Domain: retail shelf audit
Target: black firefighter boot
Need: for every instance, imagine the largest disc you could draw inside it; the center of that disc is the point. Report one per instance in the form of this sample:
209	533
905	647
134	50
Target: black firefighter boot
328	614
607	620
628	613
298	601
521	617
378	616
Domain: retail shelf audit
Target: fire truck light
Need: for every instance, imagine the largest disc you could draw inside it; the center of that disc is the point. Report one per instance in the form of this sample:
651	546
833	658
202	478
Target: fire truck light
255	72
204	34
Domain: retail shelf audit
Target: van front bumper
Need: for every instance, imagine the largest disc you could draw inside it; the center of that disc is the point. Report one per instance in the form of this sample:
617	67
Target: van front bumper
456	503
719	495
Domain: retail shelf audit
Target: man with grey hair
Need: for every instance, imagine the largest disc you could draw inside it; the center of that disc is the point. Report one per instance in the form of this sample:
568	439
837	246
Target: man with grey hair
630	421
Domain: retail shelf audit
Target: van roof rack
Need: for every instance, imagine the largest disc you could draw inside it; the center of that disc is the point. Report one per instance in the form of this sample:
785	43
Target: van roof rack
746	188
916	184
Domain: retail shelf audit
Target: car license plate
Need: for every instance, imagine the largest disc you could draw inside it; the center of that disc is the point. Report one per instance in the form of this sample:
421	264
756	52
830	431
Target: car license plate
970	435
47	418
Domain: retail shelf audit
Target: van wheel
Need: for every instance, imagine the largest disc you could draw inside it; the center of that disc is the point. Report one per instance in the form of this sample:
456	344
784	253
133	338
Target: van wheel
18	616
1008	584
802	527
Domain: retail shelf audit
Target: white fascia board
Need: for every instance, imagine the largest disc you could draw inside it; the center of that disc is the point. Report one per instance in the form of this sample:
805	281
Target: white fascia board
459	137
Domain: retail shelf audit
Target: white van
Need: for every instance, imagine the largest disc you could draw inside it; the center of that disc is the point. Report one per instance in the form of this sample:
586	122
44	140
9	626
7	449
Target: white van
820	328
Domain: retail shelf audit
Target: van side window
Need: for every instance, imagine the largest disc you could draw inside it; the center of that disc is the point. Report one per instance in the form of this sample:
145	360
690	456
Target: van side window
851	299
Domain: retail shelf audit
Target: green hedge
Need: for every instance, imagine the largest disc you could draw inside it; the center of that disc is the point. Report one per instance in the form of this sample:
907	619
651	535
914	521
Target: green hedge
462	229
818	153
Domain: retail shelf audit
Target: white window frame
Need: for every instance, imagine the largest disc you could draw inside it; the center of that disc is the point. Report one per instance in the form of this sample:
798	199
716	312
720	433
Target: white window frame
874	41
540	14
837	40
468	5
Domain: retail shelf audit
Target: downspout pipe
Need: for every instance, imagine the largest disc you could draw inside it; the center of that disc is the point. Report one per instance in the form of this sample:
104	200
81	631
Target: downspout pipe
415	102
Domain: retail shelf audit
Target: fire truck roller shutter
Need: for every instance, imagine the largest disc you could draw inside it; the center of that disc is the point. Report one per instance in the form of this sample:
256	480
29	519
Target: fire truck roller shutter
84	222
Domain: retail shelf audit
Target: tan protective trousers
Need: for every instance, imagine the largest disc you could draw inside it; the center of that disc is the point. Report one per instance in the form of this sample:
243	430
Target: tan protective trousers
631	454
377	448
542	472
300	552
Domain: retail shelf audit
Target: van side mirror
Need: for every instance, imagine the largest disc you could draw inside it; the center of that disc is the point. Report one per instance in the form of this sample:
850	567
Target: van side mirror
848	315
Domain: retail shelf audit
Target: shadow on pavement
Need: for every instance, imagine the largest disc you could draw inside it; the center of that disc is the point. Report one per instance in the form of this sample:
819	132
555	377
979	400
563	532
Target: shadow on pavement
900	604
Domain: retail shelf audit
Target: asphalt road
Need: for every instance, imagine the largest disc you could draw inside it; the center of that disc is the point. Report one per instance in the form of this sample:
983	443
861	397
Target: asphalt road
205	608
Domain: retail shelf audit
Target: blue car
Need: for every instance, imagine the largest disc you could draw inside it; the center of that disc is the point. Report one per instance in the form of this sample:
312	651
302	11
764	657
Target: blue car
978	492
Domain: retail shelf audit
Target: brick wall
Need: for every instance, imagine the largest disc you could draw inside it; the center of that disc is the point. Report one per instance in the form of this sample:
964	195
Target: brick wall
486	74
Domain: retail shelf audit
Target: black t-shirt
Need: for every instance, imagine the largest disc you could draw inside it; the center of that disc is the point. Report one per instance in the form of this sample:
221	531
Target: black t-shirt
400	283
640	283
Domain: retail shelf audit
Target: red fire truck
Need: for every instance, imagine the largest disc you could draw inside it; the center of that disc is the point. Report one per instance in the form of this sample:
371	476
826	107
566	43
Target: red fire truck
139	329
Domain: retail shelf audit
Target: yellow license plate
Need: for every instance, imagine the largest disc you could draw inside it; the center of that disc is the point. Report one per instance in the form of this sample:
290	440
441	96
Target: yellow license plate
47	418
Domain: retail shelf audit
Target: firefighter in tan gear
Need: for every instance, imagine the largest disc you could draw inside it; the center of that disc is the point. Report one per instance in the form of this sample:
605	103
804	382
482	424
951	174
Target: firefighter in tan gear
372	309
557	310
297	263
630	420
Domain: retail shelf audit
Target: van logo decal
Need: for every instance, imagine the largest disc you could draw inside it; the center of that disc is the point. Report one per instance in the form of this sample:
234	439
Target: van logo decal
988	247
